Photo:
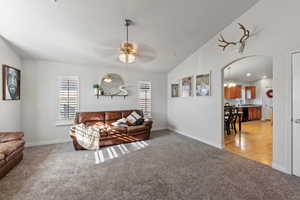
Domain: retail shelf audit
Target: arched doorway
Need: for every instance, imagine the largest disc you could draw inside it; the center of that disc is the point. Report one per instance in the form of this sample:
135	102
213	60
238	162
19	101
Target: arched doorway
248	108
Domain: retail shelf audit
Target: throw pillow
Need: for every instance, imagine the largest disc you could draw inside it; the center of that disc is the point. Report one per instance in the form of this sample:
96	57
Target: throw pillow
119	122
122	120
132	118
139	122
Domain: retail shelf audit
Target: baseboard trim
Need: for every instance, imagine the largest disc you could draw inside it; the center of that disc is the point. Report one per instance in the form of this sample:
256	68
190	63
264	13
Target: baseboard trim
280	168
159	129
40	143
198	139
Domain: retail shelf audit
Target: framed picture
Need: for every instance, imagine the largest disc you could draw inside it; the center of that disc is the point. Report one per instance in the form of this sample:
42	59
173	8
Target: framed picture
11	78
187	90
175	90
203	85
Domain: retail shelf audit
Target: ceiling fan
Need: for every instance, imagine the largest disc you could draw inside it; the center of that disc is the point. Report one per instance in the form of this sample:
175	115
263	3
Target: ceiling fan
129	52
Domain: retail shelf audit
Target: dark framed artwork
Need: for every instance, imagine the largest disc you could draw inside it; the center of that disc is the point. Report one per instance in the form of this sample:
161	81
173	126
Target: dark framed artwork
11	78
174	90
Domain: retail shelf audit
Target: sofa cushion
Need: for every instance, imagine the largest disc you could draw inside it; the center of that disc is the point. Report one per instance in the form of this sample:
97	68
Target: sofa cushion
8	148
6	137
2	156
134	129
94	123
2	163
119	129
111	117
114	115
84	117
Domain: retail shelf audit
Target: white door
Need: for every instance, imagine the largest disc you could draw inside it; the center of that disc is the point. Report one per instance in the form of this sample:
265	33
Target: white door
296	113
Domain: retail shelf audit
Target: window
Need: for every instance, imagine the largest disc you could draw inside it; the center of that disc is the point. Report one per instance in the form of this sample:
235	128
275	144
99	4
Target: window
68	99
144	98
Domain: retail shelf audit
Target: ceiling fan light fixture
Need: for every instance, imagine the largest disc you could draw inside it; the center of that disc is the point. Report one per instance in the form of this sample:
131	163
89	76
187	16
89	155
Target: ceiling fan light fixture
128	47
127	50
127	58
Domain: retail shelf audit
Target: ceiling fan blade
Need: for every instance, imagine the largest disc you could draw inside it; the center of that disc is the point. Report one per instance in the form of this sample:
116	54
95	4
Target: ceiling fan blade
107	52
145	58
146	49
111	44
146	53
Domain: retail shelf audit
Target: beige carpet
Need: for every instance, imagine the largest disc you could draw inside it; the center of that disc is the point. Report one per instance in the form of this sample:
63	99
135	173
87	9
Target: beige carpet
171	167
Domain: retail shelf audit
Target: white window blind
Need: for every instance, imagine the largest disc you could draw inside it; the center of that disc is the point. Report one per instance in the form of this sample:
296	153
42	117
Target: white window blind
68	99
144	98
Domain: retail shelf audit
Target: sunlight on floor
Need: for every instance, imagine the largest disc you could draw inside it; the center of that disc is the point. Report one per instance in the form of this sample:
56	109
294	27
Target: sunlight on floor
116	151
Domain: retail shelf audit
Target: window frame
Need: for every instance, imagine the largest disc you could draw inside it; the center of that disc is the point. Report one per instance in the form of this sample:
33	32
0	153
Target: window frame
147	112
59	120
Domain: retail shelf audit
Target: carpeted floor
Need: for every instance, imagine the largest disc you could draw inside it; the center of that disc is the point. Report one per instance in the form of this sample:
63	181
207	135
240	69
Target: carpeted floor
171	167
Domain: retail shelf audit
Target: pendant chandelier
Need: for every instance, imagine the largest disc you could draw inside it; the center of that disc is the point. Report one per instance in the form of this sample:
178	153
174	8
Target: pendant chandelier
127	50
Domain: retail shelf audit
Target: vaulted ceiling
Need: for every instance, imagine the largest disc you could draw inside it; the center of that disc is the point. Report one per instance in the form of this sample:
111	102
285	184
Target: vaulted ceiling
90	31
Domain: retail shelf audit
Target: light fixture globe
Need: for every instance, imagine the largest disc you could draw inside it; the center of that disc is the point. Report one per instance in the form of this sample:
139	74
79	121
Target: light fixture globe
127	58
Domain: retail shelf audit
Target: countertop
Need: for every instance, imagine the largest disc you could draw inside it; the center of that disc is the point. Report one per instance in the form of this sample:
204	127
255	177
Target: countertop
249	106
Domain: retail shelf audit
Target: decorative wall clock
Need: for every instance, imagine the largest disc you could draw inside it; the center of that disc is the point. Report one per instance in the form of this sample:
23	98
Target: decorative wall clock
269	93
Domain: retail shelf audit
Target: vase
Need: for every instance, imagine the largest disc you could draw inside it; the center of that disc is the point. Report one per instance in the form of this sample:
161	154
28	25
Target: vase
96	91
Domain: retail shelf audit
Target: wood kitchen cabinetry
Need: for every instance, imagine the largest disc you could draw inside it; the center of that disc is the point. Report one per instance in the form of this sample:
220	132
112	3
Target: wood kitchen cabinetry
254	113
233	92
250	92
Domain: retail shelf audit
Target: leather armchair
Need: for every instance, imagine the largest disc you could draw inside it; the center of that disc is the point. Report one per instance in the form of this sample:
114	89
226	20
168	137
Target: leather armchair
11	151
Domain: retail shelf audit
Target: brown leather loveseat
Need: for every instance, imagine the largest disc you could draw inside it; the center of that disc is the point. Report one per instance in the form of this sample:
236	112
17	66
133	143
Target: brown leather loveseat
11	151
118	134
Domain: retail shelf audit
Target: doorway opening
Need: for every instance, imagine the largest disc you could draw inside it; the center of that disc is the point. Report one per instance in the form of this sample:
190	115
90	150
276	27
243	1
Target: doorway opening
248	108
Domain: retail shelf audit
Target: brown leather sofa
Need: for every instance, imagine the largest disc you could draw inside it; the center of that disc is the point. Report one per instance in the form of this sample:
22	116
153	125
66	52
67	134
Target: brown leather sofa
11	151
118	135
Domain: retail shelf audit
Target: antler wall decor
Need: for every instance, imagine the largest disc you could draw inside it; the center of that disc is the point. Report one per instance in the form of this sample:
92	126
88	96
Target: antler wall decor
242	42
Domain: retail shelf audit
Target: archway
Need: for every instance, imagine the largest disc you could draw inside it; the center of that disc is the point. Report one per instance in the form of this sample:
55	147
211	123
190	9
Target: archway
247	109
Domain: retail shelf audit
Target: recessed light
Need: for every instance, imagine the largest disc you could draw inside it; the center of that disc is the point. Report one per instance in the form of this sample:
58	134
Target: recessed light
248	74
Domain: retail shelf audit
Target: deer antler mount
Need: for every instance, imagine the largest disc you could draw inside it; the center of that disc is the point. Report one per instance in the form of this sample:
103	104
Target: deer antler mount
242	42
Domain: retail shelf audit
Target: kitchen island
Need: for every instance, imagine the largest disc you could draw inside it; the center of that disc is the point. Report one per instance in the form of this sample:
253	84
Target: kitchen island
251	112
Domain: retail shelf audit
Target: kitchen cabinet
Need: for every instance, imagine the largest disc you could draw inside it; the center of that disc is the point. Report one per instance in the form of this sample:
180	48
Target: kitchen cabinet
233	92
226	93
250	92
254	113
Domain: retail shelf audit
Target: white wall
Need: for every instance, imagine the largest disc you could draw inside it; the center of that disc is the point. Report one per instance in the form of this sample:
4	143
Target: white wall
276	35
262	86
39	97
10	111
